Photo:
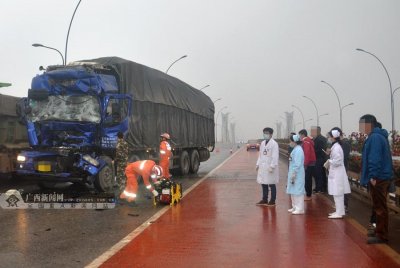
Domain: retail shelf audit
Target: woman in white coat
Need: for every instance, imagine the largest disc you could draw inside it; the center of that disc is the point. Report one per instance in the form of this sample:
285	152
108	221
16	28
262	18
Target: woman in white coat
338	183
296	176
267	167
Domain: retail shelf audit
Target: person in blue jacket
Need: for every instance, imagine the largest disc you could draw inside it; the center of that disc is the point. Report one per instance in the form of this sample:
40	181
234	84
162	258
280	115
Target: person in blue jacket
376	173
296	176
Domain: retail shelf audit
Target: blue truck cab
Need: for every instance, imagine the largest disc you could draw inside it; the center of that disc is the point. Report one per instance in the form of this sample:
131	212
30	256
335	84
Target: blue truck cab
73	114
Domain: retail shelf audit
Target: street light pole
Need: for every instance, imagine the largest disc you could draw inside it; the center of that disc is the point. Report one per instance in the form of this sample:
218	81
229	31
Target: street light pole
69	29
201	89
217	100
302	116
52	48
340	106
184	56
390	85
216	122
5	84
316	109
394	91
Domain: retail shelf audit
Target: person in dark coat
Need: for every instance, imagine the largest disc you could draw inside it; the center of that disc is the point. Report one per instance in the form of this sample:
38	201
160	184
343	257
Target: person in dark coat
320	144
377	172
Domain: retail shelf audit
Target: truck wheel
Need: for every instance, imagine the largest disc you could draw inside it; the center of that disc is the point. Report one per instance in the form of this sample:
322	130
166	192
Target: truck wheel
104	181
133	158
184	163
194	162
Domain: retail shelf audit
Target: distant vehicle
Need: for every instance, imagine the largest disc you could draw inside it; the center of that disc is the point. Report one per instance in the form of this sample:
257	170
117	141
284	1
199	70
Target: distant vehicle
253	144
13	136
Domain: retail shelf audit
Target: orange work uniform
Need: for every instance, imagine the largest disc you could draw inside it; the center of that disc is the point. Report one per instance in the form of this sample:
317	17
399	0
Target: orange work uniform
133	170
165	154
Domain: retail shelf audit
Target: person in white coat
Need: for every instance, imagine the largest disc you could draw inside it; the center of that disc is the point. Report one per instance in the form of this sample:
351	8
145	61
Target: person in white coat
338	183
267	167
296	176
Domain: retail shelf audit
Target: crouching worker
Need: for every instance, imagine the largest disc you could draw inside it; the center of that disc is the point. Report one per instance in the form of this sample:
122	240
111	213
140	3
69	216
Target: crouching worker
147	169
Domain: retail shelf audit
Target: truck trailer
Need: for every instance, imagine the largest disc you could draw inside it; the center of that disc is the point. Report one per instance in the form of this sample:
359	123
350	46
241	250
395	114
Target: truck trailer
74	112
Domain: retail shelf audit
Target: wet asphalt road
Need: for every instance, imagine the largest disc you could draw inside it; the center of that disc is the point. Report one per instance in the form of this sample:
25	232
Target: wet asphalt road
74	238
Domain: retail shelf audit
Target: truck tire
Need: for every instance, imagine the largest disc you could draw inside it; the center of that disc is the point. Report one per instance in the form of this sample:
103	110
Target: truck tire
194	162
184	163
133	158
105	180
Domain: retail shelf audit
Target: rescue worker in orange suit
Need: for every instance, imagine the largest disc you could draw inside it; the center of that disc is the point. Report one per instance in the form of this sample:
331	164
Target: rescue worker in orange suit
165	154
147	169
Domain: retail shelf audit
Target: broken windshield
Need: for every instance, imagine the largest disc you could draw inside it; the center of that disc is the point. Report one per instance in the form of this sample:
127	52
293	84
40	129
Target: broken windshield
81	108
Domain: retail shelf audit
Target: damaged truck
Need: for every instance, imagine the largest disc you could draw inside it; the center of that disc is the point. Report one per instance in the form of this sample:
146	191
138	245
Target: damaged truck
73	114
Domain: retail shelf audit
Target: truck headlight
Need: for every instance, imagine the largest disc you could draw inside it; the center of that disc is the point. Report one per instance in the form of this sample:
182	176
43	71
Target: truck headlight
21	158
91	160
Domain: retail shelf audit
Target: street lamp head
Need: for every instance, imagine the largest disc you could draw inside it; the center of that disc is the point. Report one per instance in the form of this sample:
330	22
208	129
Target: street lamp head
323	81
359	49
184	56
37	45
351	103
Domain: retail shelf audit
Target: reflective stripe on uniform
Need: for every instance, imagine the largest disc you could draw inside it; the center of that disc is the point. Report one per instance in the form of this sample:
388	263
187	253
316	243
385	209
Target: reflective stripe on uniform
129	194
142	164
162	152
148	186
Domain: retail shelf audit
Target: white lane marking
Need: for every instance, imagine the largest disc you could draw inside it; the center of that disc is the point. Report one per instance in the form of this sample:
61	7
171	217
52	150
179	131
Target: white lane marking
127	239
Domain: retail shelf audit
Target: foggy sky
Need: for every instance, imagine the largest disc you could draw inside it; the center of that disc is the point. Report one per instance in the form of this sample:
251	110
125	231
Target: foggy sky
259	56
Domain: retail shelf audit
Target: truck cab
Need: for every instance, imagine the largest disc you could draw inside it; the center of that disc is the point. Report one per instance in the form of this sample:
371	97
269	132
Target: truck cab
73	114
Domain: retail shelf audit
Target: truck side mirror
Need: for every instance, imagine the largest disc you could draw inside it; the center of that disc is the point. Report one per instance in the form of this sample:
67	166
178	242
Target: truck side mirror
116	112
38	94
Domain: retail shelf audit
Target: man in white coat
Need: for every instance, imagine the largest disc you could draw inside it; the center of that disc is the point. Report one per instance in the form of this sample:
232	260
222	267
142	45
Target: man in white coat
267	167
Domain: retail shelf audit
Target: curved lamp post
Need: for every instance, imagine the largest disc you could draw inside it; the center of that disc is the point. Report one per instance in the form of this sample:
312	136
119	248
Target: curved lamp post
184	56
52	48
216	122
302	116
69	29
340	106
217	100
390	85
5	84
316	109
201	89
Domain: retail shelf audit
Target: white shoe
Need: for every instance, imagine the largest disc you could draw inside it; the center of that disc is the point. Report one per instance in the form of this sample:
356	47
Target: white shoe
155	193
291	210
335	216
332	213
297	212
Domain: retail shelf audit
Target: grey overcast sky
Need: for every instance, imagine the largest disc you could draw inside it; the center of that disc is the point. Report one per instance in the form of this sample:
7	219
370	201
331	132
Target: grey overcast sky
259	56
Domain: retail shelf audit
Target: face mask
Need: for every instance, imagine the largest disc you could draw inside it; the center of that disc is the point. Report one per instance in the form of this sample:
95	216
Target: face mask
330	142
267	136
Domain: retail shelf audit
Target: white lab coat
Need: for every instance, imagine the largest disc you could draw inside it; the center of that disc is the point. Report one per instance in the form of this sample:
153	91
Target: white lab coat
267	162
338	182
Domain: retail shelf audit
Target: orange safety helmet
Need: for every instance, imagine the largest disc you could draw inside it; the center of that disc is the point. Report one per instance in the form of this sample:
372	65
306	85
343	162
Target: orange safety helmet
156	172
165	135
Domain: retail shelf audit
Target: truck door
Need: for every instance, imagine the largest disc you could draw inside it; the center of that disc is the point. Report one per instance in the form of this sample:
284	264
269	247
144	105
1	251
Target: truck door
116	112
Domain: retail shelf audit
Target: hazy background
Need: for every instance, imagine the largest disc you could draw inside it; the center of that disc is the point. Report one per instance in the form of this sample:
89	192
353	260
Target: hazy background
260	57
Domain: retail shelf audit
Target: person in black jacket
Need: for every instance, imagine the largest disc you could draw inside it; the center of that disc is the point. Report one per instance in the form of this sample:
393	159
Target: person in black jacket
346	146
320	144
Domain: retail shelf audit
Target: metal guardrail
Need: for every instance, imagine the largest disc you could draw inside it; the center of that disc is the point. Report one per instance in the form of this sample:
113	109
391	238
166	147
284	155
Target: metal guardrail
361	191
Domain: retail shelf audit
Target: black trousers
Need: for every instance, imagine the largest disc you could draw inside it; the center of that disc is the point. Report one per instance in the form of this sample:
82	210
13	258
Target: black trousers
320	176
379	194
308	180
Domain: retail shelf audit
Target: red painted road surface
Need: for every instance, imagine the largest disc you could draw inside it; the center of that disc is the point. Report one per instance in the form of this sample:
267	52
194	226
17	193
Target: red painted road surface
218	225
